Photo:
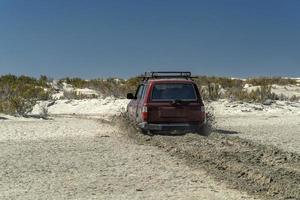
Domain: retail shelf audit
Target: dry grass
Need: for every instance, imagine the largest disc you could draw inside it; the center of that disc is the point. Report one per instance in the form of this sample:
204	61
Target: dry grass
211	87
266	81
19	94
107	87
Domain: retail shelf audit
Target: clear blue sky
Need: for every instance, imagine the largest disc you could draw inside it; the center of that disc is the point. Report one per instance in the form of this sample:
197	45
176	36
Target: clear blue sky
123	38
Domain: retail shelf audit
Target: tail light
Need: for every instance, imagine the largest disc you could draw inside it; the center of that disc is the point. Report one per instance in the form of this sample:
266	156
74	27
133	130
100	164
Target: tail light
145	113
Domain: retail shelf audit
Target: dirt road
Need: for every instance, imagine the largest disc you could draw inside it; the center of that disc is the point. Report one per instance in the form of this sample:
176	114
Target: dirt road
71	158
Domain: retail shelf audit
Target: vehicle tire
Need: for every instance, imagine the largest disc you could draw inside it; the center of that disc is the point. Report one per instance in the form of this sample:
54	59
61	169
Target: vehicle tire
204	130
146	132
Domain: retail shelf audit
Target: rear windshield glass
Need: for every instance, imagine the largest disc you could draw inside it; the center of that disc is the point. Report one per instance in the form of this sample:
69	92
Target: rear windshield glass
173	91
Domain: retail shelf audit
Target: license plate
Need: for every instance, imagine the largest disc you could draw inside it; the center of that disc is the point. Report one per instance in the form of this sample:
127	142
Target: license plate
174	112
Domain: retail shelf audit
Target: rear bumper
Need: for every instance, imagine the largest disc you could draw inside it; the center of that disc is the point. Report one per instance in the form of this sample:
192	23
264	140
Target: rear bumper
171	126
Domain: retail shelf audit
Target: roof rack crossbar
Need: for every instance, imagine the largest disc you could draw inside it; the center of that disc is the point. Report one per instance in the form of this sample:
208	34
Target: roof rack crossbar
166	74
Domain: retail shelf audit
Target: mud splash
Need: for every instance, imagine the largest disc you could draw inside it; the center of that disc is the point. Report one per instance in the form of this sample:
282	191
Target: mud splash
260	170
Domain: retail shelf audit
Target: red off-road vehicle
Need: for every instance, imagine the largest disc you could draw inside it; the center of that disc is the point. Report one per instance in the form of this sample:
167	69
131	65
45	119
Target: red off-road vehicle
166	101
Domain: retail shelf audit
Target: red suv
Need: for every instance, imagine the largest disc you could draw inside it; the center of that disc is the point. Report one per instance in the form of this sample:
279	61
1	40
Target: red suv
166	101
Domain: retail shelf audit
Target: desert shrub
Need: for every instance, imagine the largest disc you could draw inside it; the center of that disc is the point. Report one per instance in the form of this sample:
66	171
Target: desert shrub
131	85
71	95
265	93
234	87
44	112
211	86
17	106
213	91
76	82
258	95
112	87
21	106
75	95
19	94
295	98
30	92
225	82
283	97
107	87
43	81
5	107
266	81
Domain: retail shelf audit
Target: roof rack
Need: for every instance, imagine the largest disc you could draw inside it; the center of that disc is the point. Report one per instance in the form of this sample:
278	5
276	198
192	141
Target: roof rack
166	74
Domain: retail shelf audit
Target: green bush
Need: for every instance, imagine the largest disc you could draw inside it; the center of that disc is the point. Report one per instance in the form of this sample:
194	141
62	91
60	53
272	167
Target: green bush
21	106
19	94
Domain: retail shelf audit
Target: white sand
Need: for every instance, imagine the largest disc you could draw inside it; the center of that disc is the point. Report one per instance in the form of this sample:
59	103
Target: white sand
72	158
107	106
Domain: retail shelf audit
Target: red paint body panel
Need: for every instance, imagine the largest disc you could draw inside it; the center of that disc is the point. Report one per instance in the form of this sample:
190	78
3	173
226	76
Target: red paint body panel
166	112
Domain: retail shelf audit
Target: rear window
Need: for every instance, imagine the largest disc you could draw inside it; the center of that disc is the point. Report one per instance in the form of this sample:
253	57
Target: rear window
173	91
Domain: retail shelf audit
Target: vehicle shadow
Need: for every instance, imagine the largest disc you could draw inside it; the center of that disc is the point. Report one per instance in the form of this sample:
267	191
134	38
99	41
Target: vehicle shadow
170	133
177	133
227	132
205	132
37	116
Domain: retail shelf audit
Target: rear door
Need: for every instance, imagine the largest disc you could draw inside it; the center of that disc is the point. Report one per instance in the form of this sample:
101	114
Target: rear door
175	103
138	100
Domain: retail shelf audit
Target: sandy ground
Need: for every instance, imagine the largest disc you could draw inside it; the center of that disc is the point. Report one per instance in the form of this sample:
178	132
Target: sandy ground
80	155
277	124
71	158
280	131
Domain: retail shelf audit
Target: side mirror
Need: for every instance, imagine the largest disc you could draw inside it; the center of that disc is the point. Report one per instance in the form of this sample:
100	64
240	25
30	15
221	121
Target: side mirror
130	96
